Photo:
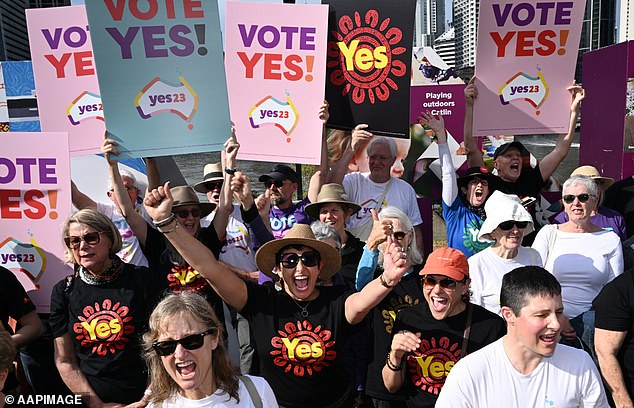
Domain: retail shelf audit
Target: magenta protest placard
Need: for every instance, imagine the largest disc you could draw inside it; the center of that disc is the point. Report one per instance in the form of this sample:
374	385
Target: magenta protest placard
440	100
526	56
275	59
68	94
34	202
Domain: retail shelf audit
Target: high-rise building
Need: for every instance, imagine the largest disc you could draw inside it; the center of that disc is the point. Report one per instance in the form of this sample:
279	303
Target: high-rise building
445	47
599	28
465	22
14	40
429	22
625	29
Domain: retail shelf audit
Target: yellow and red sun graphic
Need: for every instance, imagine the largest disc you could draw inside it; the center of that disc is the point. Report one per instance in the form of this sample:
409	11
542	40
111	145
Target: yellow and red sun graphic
365	54
105	327
303	349
430	364
184	278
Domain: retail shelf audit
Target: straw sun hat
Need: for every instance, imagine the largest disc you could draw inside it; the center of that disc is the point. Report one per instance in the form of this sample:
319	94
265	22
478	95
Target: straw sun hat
300	234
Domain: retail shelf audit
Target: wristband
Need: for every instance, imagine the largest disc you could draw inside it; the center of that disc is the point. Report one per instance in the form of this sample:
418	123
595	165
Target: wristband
169	230
164	223
384	283
391	366
230	171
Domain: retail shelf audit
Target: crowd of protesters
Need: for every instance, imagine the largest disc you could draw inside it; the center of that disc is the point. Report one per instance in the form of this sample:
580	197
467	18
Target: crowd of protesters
332	297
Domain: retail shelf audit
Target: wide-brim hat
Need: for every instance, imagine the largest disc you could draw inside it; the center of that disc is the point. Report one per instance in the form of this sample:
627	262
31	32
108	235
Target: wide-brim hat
506	146
448	262
331	193
480	172
499	208
593	173
185	195
211	172
299	234
280	172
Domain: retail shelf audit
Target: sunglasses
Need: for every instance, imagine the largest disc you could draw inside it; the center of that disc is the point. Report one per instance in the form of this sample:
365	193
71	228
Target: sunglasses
508	225
185	213
270	182
445	283
583	197
399	235
191	342
91	238
211	186
290	261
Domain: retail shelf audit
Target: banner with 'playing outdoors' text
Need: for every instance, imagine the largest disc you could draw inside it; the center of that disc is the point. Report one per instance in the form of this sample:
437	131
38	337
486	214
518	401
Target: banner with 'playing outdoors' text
526	56
161	75
68	95
369	65
34	202
275	62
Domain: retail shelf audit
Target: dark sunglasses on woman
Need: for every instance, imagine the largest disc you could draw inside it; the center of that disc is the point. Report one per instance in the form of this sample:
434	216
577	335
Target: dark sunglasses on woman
91	238
583	197
195	212
445	283
191	342
508	225
290	261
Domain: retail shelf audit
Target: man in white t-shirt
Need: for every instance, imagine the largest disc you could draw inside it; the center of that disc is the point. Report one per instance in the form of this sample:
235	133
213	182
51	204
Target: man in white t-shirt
526	368
130	250
378	188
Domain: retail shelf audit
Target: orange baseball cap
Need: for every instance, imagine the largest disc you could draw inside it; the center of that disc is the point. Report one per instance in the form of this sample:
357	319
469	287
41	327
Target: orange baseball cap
447	262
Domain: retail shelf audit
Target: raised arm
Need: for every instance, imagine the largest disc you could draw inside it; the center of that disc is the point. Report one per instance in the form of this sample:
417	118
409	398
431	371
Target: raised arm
395	265
449	179
241	187
360	139
474	155
153	173
79	199
381	229
607	344
225	204
232	289
551	161
318	179
126	206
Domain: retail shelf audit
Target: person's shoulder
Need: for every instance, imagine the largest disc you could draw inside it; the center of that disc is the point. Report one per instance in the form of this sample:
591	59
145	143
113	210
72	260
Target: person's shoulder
609	213
482	314
578	359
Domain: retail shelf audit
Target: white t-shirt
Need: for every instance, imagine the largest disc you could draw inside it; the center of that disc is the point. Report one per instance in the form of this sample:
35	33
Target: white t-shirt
582	263
486	378
238	249
131	249
220	399
486	271
366	193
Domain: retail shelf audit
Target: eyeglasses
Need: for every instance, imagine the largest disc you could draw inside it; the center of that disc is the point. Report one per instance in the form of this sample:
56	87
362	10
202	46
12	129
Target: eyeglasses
290	261
195	212
270	182
91	238
399	235
477	180
211	186
446	283
191	342
583	197
508	225
128	188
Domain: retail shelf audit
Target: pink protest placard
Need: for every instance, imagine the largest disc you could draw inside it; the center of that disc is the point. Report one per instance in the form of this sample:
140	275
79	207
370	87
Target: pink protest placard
275	59
526	56
68	94
34	202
